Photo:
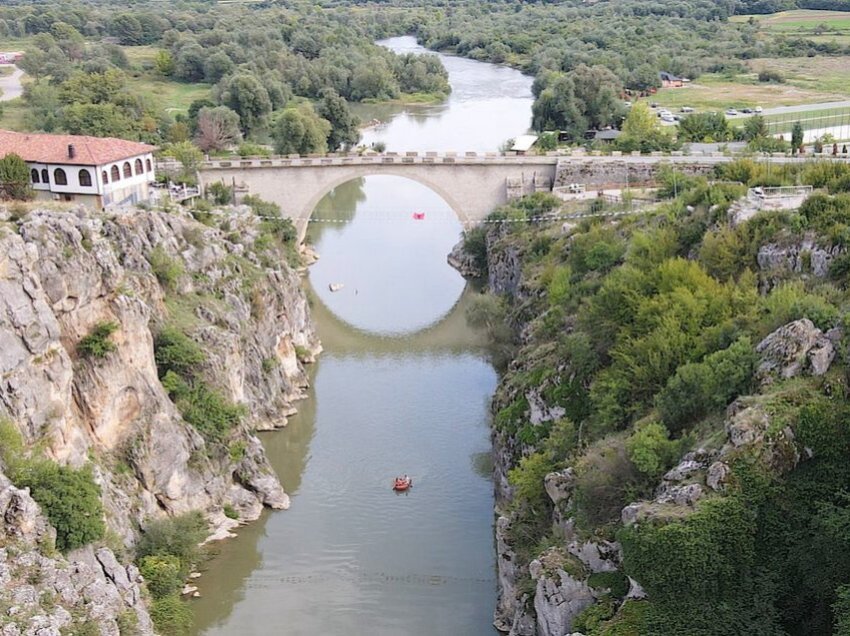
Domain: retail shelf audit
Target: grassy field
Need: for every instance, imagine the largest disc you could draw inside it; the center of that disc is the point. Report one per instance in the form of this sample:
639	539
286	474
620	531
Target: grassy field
715	92
800	21
12	115
173	97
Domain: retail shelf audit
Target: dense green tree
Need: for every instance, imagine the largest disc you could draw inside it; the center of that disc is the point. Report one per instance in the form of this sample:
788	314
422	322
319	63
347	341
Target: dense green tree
189	63
796	137
344	126
127	29
14	178
217	66
755	128
244	94
301	131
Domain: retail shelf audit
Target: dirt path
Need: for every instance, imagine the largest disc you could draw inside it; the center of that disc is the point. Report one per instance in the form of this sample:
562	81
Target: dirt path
10	85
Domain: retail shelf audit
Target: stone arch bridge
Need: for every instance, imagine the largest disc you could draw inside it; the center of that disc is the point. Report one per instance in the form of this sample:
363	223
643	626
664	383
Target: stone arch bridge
472	184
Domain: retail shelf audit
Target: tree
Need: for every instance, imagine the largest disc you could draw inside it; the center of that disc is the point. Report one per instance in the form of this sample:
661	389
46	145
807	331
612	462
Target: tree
796	137
189	65
34	63
300	130
641	122
344	125
98	120
217	66
704	127
188	155
127	28
218	128
755	128
597	90
556	107
14	178
245	95
164	63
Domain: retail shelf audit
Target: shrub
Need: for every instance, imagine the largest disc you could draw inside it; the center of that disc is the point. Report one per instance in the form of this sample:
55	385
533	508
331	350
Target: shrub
699	388
173	536
175	351
475	243
69	497
253	150
230	512
204	408
606	480
171	616
771	76
615	581
14	178
527	480
166	269
790	301
221	194
261	207
163	574
651	450
97	343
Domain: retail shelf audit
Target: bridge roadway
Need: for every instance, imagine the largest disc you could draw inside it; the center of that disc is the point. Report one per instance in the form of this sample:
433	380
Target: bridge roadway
472	184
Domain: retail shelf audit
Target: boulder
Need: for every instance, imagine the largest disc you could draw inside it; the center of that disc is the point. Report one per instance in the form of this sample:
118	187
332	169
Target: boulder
796	348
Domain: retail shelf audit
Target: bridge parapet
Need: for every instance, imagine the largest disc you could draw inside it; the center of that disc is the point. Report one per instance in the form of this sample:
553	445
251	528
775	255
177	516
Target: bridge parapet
468	158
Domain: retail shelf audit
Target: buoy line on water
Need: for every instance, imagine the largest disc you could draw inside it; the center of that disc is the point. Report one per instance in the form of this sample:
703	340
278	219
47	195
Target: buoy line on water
531	219
366	577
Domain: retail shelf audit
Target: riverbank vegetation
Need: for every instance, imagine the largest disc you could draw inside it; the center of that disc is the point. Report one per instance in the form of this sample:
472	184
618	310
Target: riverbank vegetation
289	73
637	336
144	73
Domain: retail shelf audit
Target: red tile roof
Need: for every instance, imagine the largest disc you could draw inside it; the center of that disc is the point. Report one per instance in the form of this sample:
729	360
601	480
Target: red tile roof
88	151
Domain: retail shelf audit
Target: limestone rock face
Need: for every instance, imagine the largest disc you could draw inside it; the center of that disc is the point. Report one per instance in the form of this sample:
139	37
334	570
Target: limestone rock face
63	272
559	597
510	615
806	257
53	594
796	348
464	262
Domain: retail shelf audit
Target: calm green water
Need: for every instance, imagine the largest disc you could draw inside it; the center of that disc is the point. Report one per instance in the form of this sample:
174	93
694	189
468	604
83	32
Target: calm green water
403	387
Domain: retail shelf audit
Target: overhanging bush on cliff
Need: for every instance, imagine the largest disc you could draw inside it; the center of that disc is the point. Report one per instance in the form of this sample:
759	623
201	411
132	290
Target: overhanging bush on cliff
68	497
699	388
178	358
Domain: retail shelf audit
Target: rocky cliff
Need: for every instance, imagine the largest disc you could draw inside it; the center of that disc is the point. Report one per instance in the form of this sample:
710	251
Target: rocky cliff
43	593
224	284
585	489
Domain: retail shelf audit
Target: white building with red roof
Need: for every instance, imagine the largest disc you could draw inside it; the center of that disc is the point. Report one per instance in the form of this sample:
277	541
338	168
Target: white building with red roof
100	172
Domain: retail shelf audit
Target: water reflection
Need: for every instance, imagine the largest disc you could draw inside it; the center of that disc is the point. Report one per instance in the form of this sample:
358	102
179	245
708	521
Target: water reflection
392	265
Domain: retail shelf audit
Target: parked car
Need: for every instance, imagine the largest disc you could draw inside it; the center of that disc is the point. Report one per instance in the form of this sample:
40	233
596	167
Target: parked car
758	109
747	111
654	105
731	112
686	109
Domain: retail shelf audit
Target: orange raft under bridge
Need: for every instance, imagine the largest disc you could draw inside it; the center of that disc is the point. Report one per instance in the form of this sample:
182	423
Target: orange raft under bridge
401	484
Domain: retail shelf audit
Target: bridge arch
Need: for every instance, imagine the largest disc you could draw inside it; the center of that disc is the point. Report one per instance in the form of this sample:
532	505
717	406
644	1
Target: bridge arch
357	172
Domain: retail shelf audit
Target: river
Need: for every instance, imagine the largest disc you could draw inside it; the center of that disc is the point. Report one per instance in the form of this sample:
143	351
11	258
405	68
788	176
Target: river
402	387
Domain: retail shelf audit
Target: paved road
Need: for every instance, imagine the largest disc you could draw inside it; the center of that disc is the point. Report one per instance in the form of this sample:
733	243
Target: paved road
10	85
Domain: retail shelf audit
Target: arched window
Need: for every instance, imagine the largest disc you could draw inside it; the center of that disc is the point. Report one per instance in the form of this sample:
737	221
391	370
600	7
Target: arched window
128	171
116	175
34	175
59	177
45	176
104	177
148	167
139	168
85	178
